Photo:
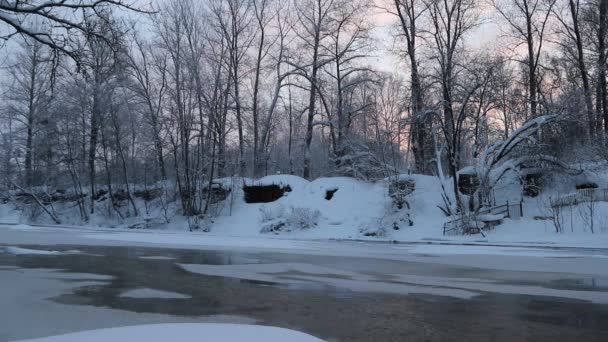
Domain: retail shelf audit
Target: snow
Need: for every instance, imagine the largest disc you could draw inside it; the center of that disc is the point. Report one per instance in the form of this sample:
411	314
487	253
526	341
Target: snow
356	209
354	205
22	251
152	293
185	332
491	217
469	170
491	250
156	257
26	251
295	182
197	239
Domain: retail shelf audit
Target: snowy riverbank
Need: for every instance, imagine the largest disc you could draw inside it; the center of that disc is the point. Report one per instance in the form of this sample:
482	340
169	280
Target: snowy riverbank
355	210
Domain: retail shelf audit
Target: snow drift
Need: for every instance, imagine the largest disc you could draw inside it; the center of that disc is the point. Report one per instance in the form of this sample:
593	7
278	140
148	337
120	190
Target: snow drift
185	332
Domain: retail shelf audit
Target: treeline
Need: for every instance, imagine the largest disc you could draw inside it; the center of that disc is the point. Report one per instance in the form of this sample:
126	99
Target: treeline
187	91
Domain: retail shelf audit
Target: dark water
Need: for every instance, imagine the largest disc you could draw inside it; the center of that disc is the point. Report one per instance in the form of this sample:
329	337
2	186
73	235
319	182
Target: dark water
328	312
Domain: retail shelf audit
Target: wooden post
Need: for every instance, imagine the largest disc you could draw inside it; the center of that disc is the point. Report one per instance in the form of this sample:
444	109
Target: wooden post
521	208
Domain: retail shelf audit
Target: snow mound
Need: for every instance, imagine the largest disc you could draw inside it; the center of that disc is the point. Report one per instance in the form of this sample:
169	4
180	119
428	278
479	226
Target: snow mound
336	208
186	332
351	204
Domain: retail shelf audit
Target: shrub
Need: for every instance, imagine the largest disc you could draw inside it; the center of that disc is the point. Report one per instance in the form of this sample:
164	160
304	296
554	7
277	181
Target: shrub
303	218
271	212
276	220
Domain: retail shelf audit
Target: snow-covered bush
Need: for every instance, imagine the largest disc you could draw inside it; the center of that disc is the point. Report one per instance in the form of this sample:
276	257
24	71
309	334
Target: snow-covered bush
357	160
271	212
276	220
303	218
399	189
374	228
499	158
582	211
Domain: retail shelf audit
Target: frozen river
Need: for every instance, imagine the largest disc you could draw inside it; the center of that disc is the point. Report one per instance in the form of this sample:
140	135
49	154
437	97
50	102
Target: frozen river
392	293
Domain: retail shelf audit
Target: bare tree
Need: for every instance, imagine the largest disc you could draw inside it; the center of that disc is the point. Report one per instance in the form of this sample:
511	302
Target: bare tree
181	92
150	74
349	44
410	14
602	58
100	71
390	109
233	18
30	96
451	20
573	31
279	43
56	23
528	21
313	17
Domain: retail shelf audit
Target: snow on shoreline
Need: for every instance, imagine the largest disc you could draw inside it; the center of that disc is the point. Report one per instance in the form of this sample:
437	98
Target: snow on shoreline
26	251
291	242
356	209
185	332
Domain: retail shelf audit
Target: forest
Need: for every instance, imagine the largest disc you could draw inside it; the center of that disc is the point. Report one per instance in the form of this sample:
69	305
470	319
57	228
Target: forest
128	99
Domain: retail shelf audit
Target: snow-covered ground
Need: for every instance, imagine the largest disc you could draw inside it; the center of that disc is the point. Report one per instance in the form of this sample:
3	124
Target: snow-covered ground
47	237
357	211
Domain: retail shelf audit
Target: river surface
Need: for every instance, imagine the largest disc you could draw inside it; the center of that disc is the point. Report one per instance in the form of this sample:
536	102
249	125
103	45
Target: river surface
335	298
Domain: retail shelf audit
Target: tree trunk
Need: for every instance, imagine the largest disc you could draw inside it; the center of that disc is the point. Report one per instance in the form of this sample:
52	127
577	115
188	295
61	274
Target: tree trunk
532	83
312	96
290	141
29	181
589	128
31	120
93	144
419	124
258	165
602	62
309	119
239	122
